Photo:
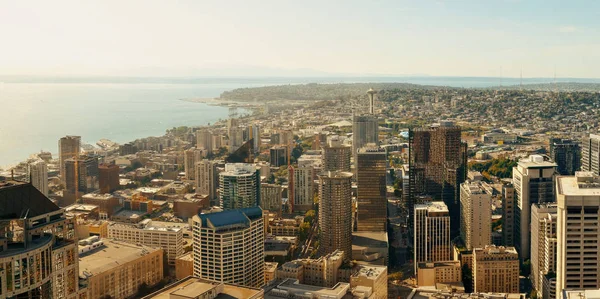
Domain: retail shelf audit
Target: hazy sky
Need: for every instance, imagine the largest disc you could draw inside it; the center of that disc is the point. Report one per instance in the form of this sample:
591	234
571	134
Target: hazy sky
446	38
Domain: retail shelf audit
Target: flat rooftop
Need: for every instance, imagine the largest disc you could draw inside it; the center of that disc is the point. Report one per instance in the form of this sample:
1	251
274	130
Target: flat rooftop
370	271
113	254
433	206
370	239
192	287
535	161
583	183
292	285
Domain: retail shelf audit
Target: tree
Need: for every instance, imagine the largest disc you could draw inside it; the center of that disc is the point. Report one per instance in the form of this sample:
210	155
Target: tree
303	231
271	179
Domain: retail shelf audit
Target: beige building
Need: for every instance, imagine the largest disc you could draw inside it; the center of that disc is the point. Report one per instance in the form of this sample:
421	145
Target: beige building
430	274
207	179
543	245
495	269
68	147
270	198
190	158
508	215
371	281
336	155
431	233
229	246
371	189
198	288
285	227
578	224
475	215
301	186
117	269
204	140
292	288
335	216
270	272
184	266
317	272
169	238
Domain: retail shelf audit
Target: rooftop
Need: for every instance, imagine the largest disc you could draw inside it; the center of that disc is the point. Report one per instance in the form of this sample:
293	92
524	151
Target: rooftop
192	287
370	272
536	161
289	285
20	199
231	217
583	183
433	206
112	254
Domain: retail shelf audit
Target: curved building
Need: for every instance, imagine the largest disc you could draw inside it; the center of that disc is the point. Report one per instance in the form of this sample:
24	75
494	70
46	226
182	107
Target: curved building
335	212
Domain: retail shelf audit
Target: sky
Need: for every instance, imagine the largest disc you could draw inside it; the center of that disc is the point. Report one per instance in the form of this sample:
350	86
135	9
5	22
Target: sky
538	38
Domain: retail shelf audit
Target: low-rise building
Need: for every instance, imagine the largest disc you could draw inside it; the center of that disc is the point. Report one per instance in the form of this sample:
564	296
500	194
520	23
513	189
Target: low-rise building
495	269
198	288
292	288
371	281
270	272
184	266
316	272
433	273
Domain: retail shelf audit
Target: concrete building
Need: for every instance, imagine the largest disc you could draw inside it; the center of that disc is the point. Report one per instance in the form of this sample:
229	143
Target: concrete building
184	266
68	147
323	271
270	198
373	278
336	155
229	247
437	167
38	245
508	215
566	154
239	186
278	156
590	154
149	233
371	166
198	288
431	233
543	245
37	172
578	224
475	215
207	179
107	204
495	269
270	272
204	140
117	269
190	158
335	216
108	177
430	274
365	130
292	288
301	186
533	179
81	177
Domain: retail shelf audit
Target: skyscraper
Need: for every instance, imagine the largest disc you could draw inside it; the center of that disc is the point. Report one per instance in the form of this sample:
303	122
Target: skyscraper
278	156
207	179
365	129
336	155
495	269
371	189
204	140
475	215
543	244
431	233
68	147
301	186
256	132
81	177
437	167
578	224
108	176
533	179
190	158
508	215
229	247
590	154
335	212
270	198
566	154
239	186
38	173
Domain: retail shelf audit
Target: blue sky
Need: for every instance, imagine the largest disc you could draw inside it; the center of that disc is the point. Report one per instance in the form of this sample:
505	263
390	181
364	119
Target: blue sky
164	38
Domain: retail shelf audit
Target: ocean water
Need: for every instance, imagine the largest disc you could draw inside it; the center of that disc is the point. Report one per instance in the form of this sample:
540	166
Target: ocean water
36	112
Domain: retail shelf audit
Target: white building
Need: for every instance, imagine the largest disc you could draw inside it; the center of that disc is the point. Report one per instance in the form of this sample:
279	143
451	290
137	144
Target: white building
38	173
475	215
239	186
543	245
431	233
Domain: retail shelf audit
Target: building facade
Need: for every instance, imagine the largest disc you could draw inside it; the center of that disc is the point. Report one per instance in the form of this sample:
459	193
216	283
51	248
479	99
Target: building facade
278	156
365	130
68	148
431	233
271	198
508	215
190	158
475	215
543	245
495	269
566	154
207	179
590	154
38	174
336	155
108	177
239	186
335	216
371	166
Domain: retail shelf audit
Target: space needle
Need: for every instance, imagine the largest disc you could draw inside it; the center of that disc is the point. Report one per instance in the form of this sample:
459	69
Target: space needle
371	92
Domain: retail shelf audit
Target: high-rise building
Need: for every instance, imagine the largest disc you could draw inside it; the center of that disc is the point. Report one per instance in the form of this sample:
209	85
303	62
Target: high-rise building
190	158
239	186
437	167
475	215
335	212
543	245
495	269
365	129
204	140
278	156
566	154
371	166
38	174
68	147
38	245
301	186
229	246
533	179
431	233
270	198
108	176
590	154
81	177
256	132
578	224
508	215
336	155
207	179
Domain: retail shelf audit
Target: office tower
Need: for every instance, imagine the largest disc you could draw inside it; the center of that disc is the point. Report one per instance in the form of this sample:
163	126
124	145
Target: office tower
38	248
301	186
543	244
566	154
335	212
190	158
437	167
475	215
151	233
431	232
239	186
590	154
38	174
270	198
508	215
256	137
533	179
108	176
204	140
81	176
229	246
578	224
236	138
371	165
207	179
278	156
365	129
68	147
371	94
495	269
336	155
